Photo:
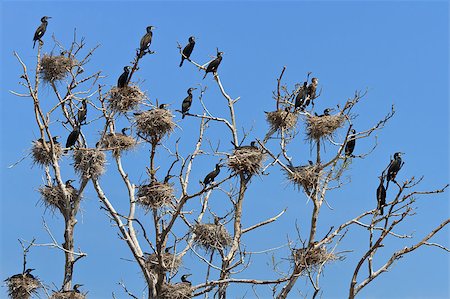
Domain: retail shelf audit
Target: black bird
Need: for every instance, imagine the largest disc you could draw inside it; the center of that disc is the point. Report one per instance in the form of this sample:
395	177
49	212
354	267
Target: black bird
68	184
146	40
187	102
163	106
326	112
26	273
394	168
209	178
351	142
213	65
184	279
251	146
124	131
76	286
82	112
312	88
381	195
301	96
55	139
73	137
187	51
40	30
123	79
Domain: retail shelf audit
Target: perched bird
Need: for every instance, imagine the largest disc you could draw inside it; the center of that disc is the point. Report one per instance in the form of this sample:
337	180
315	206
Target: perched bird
209	178
326	112
123	79
73	137
301	96
40	31
251	146
187	102
187	51
124	131
213	65
163	106
68	184
394	168
312	88
76	286
55	139
351	142
381	195
82	112
184	279
26	273
146	40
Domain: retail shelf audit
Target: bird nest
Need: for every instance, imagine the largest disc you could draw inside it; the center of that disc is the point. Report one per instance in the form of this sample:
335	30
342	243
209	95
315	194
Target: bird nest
155	123
248	160
281	119
89	163
305	176
68	295
154	195
42	156
175	291
211	236
312	257
321	126
170	261
54	68
122	100
118	142
22	286
53	196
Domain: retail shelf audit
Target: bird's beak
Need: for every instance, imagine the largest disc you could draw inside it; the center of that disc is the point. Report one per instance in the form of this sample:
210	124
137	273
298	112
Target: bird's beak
49	17
188	275
194	88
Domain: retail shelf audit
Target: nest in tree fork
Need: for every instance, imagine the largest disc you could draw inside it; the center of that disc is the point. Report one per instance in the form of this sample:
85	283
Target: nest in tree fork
53	196
54	68
305	176
122	100
42	156
313	257
211	236
322	126
154	195
68	295
248	160
281	119
22	286
155	123
171	262
89	163
118	142
176	291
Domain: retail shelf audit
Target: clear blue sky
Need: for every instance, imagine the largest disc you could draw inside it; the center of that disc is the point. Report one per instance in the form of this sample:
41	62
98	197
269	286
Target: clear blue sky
398	50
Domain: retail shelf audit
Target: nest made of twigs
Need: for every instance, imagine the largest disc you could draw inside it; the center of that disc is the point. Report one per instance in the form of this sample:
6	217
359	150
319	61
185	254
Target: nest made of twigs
211	236
321	126
176	291
154	195
312	257
281	119
305	176
118	142
55	68
171	262
68	295
248	160
122	100
22	286
155	123
42	156
89	163
53	196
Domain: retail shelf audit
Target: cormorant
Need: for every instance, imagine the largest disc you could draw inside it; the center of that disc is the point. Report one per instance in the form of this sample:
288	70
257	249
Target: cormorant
251	146
76	286
82	112
73	137
184	279
26	273
326	112
394	168
381	195
209	178
55	139
187	51
312	88
40	30
146	40
351	142
163	106
68	184
213	65
187	102
301	96
123	79
124	130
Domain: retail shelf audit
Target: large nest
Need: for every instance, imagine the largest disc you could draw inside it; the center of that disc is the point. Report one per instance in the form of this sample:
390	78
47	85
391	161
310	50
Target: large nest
176	291
305	176
22	286
154	195
248	160
321	126
171	262
211	236
124	99
155	123
42	156
118	142
313	257
55	68
53	196
68	295
89	163
281	119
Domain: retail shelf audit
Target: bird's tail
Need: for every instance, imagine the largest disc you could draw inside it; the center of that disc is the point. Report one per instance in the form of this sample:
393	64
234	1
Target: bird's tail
205	75
34	43
182	60
381	209
141	54
183	115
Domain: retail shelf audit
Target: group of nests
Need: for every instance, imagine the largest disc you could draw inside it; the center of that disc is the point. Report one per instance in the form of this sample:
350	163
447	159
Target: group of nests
54	68
211	236
53	196
312	257
155	195
89	163
305	176
43	156
22	286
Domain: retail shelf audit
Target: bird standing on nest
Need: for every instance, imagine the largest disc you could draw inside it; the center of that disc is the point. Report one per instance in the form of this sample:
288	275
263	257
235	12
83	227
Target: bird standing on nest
123	79
350	145
301	96
394	168
26	273
146	40
73	137
251	146
82	112
40	30
187	102
209	178
184	279
187	51
381	195
214	65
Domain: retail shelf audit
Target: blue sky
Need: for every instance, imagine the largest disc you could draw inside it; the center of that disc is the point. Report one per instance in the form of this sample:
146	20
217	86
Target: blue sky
396	50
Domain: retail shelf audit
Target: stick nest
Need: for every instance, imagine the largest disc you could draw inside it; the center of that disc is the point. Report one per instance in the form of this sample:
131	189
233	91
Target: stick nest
155	195
42	156
321	126
281	119
118	142
89	163
22	286
171	262
54	68
53	196
248	160
211	236
155	123
176	291
312	258
122	100
68	295
305	176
